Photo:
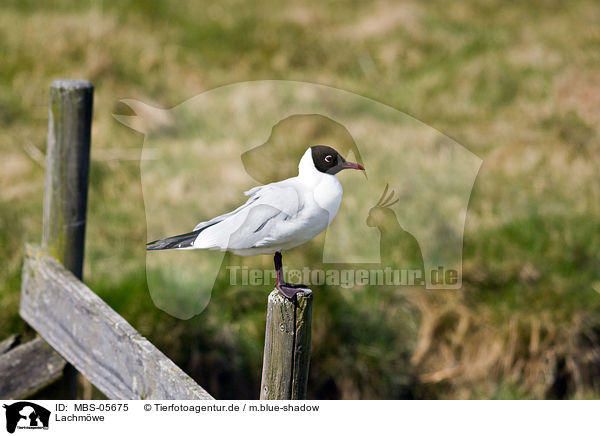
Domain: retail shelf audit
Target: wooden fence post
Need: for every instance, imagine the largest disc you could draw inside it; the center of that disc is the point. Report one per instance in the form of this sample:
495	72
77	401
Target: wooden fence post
67	171
287	347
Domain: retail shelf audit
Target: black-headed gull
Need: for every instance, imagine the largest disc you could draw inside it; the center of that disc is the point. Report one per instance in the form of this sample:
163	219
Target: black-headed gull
277	217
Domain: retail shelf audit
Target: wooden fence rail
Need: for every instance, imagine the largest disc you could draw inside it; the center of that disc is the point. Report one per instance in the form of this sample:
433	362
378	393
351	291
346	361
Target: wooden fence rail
104	347
27	368
80	332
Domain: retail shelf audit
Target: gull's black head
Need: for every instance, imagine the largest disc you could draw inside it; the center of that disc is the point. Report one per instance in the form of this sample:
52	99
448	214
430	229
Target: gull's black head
329	161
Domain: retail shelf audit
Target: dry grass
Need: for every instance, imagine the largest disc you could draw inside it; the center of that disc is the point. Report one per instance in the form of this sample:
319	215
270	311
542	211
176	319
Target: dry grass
468	350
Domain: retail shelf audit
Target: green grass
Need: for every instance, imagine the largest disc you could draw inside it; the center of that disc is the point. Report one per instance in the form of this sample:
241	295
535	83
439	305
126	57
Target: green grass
516	83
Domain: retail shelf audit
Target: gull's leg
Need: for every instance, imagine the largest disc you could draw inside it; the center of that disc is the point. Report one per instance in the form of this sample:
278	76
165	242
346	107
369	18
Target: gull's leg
289	290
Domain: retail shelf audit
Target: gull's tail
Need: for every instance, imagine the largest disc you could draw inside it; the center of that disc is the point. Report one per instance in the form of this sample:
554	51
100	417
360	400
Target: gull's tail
185	240
172	242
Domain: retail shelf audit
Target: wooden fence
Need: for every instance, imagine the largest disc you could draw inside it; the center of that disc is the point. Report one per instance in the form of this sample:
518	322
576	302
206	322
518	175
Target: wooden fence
78	332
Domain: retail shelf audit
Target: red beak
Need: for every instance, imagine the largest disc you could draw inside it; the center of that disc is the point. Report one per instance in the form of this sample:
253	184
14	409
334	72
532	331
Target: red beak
353	165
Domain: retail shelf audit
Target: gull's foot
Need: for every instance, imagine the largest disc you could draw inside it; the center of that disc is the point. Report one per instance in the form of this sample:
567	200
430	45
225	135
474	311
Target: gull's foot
289	290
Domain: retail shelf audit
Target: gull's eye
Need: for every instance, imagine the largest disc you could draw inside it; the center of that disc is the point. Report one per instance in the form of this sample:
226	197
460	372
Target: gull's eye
329	158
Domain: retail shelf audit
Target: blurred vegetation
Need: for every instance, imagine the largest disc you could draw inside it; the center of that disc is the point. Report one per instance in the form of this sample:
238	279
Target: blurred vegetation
518	83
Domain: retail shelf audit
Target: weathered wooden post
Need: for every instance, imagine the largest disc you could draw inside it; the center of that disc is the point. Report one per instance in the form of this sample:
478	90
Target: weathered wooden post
287	347
67	170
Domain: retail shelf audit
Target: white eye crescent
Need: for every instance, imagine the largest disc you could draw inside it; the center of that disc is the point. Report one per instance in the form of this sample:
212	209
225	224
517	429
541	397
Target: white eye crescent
328	158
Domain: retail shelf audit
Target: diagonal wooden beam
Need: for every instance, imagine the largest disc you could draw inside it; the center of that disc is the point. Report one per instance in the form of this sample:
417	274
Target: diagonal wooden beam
96	340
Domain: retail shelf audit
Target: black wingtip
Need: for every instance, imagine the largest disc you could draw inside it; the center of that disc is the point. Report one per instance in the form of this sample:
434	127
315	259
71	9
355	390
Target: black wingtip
173	242
178	241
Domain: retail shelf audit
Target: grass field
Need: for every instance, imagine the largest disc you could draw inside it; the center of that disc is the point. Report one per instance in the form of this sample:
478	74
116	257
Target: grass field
517	83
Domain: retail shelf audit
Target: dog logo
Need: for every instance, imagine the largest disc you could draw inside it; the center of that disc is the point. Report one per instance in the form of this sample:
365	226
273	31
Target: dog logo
26	415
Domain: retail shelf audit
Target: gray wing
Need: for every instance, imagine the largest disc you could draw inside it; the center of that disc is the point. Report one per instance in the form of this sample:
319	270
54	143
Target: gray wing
254	223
